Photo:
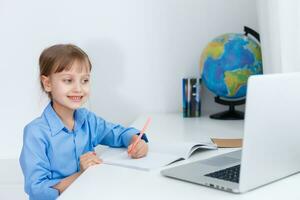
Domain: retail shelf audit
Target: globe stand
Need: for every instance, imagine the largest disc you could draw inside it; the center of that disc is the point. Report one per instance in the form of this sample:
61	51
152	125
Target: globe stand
230	114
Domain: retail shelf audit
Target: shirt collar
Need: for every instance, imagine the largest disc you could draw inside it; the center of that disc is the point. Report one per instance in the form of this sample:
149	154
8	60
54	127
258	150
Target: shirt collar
56	124
79	116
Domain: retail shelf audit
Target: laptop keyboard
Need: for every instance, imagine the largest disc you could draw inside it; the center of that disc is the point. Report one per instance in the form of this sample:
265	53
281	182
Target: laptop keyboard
231	174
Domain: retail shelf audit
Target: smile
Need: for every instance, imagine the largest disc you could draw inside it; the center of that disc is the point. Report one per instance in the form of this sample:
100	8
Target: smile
75	98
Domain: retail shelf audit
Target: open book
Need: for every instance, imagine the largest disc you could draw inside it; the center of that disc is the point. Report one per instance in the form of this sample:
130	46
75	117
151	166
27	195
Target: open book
159	154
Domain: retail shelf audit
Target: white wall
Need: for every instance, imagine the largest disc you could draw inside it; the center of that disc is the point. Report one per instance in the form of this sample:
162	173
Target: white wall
279	24
140	50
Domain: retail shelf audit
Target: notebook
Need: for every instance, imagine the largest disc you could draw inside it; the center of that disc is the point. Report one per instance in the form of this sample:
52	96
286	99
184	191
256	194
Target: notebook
159	154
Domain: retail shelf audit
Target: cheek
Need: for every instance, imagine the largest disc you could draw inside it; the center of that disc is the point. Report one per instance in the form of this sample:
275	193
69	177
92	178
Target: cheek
86	88
58	89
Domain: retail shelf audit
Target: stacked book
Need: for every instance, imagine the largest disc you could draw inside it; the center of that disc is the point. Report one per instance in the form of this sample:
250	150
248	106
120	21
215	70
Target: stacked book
191	98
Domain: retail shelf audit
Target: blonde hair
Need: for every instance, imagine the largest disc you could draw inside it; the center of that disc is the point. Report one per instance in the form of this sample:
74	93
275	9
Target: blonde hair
60	57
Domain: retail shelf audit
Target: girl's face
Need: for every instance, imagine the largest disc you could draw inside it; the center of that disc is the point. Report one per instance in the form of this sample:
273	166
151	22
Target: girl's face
69	89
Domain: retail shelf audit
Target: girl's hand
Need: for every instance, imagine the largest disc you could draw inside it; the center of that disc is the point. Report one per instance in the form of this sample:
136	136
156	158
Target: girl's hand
140	150
89	159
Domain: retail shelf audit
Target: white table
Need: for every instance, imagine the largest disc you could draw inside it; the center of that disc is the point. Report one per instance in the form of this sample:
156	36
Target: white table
112	182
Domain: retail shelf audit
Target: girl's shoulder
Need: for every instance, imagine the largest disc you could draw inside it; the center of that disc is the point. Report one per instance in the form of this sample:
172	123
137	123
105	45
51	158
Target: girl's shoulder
38	122
37	128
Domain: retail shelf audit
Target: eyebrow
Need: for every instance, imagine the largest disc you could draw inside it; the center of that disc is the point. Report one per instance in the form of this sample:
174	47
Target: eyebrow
66	74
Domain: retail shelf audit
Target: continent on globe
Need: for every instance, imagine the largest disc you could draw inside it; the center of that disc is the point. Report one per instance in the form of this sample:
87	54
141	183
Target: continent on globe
234	80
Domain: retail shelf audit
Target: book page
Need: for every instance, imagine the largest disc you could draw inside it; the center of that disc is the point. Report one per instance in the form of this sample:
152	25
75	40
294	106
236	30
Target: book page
151	161
179	150
183	149
119	156
159	154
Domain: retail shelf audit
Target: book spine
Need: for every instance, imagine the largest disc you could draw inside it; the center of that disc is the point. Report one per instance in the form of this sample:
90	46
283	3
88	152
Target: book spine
188	98
198	98
193	97
185	97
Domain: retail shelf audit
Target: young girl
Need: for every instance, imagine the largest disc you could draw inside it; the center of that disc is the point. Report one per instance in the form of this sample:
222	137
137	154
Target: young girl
59	145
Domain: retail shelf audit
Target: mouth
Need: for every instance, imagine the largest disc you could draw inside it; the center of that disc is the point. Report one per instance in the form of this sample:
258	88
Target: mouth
75	98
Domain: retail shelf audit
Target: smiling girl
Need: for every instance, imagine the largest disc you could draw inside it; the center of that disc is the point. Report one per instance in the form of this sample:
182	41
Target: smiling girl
59	145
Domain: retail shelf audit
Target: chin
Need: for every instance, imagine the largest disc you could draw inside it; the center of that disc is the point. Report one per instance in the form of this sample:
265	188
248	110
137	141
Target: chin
75	105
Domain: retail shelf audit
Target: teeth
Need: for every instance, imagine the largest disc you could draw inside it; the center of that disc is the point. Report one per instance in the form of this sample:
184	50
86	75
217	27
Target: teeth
75	98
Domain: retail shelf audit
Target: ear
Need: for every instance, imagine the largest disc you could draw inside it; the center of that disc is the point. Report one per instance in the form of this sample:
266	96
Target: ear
46	83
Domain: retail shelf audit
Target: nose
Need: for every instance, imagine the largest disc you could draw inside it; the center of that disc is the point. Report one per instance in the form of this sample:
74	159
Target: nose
77	87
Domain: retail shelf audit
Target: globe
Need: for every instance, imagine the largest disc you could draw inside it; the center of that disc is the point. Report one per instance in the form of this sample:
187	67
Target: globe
227	62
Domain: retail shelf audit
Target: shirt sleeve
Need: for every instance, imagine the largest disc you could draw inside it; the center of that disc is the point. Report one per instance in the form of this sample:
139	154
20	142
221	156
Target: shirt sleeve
110	134
36	166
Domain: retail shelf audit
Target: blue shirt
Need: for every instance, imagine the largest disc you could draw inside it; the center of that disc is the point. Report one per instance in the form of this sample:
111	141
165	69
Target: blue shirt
51	152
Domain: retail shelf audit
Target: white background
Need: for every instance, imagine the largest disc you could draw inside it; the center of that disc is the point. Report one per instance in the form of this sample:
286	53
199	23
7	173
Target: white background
279	24
140	51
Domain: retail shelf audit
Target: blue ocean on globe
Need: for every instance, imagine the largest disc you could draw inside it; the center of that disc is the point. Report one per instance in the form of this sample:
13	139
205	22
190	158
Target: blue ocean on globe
227	62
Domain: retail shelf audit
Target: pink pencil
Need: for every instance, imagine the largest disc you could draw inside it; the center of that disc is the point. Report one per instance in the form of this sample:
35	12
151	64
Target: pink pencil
141	134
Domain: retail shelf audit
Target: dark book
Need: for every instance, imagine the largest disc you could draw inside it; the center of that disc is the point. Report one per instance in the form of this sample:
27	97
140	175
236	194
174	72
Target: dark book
195	104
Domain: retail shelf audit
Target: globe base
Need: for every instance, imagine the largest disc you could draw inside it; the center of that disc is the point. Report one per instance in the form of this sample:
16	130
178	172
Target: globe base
230	114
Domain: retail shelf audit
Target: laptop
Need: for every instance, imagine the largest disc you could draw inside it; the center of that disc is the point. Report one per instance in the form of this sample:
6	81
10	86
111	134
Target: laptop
271	144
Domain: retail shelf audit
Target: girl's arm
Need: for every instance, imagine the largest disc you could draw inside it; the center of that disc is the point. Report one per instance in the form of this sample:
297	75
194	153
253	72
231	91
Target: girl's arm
86	160
110	134
64	183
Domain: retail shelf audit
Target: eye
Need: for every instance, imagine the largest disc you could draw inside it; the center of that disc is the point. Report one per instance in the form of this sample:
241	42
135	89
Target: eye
85	80
67	80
